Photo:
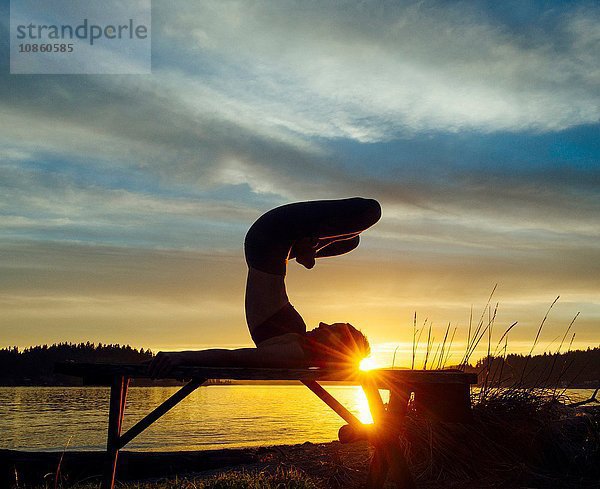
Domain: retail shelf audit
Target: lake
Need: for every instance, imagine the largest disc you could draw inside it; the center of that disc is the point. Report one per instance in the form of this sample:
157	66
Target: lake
221	416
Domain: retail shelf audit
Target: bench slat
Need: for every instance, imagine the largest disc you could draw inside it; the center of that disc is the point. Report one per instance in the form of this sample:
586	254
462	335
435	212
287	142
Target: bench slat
382	377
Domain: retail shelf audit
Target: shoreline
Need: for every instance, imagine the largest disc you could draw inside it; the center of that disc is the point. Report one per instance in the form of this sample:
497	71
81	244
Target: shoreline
547	448
316	459
515	439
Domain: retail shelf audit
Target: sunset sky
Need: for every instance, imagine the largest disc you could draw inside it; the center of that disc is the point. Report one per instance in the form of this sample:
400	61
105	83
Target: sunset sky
124	199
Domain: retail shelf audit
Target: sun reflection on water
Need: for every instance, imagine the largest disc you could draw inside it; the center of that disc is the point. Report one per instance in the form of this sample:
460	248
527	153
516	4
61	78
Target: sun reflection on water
362	405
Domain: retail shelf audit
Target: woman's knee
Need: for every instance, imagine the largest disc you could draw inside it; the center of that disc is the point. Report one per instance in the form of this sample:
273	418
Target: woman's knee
368	211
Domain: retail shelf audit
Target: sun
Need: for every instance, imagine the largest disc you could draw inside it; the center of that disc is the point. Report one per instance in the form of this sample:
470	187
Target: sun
367	364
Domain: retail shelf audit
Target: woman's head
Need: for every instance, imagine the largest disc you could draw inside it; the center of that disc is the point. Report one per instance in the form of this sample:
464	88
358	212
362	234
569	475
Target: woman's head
337	343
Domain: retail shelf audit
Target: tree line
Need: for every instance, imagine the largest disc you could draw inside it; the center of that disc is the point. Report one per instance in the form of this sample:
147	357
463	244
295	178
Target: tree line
571	369
35	366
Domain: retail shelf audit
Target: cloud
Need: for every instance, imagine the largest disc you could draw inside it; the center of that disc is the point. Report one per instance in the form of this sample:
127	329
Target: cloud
42	203
256	92
371	72
146	127
464	120
57	291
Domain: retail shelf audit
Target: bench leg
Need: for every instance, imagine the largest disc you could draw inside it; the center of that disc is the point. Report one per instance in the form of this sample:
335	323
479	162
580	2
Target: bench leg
118	396
396	412
399	472
388	456
153	416
333	403
379	465
378	469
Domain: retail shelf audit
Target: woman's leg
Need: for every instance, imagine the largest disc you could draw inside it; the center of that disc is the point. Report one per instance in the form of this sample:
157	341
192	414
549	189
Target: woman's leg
338	247
333	225
271	237
306	251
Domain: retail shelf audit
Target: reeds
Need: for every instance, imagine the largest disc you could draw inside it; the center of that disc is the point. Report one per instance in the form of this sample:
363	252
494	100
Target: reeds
524	431
497	369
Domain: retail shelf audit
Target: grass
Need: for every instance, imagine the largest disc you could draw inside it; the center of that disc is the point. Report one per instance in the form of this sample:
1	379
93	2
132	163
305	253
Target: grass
518	438
283	478
523	432
280	478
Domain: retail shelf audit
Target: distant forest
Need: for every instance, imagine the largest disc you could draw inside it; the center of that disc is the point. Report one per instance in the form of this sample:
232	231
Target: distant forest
35	366
575	369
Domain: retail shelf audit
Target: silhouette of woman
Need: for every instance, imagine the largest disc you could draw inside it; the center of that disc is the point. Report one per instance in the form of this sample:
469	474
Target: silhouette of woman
304	231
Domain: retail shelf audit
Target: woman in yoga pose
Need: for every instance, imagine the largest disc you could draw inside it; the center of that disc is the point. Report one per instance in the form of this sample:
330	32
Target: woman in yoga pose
303	231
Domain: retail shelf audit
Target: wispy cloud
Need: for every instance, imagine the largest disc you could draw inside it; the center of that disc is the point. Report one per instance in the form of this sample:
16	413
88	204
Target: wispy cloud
371	72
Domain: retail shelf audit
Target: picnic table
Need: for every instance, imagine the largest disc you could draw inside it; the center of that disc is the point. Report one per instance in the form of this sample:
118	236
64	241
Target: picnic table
439	395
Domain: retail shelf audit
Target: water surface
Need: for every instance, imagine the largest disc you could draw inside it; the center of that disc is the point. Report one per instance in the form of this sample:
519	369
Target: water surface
222	416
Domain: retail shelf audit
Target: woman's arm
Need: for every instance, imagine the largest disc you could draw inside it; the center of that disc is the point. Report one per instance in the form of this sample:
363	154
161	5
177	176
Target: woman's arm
287	353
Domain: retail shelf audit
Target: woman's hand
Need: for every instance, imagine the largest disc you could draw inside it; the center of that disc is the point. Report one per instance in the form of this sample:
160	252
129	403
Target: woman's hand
164	362
305	250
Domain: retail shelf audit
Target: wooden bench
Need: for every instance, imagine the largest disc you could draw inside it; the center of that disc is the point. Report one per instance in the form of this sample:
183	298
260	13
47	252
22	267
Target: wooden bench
442	395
